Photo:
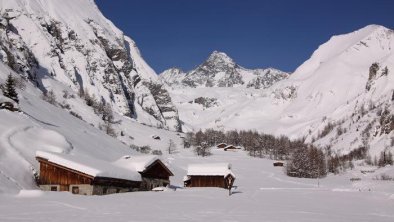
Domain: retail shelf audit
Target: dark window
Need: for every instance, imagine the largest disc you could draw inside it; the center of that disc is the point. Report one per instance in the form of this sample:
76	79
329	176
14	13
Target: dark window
75	190
54	188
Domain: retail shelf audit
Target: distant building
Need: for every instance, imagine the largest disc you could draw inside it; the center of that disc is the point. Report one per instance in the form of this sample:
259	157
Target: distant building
209	175
221	145
230	147
156	137
88	176
278	164
9	104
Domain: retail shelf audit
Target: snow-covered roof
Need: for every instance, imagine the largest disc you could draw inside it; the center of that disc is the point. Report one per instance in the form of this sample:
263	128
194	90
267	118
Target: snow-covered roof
210	169
90	166
6	99
136	163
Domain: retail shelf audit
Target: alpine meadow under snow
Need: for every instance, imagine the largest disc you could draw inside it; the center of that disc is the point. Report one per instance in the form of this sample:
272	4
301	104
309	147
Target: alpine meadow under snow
86	98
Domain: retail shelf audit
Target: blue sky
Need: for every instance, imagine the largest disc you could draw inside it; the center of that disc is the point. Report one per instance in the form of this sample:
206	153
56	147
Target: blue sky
256	34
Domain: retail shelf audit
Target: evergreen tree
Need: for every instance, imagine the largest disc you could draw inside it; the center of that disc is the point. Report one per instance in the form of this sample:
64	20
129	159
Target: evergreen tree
385	71
392	96
9	89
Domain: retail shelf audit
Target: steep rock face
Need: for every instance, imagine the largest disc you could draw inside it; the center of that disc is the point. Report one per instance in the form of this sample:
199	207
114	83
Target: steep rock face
13	51
219	70
73	43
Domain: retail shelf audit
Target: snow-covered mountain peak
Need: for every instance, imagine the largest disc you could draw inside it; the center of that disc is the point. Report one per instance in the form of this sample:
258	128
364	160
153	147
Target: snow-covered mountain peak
220	70
220	59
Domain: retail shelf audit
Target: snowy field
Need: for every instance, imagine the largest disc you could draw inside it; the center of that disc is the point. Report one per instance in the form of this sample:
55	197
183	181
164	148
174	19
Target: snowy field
263	193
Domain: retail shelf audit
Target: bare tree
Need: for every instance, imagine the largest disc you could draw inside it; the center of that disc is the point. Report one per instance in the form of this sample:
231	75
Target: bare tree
171	147
108	129
50	97
203	150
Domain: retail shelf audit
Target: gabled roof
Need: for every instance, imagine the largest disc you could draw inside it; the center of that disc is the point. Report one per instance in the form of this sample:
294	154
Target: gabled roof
210	169
139	163
90	166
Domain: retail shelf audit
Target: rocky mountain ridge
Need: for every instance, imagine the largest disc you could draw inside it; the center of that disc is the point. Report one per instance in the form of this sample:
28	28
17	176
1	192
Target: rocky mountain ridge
219	70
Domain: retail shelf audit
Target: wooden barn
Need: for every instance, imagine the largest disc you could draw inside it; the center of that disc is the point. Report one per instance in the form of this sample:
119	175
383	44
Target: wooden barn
84	175
153	171
209	175
221	145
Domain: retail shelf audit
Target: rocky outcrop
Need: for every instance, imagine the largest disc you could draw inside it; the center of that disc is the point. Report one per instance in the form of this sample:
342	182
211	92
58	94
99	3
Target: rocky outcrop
13	51
266	78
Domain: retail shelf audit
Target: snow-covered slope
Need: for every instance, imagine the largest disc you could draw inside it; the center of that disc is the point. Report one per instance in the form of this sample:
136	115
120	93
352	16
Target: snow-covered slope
45	127
338	85
71	42
219	70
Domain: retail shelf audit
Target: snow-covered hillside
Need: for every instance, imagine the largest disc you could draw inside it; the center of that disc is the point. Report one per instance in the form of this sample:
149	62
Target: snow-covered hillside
72	43
337	86
43	126
219	70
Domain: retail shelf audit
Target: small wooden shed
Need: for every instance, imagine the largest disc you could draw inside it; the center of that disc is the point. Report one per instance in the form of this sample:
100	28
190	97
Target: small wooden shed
278	164
221	145
209	175
230	147
84	175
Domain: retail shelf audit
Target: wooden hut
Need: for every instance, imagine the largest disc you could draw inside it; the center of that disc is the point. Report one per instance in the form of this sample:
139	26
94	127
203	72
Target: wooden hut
153	171
209	175
230	147
278	164
9	104
84	175
221	145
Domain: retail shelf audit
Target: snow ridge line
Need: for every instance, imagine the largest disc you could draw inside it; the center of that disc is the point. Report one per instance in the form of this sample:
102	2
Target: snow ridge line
2	173
40	121
6	142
